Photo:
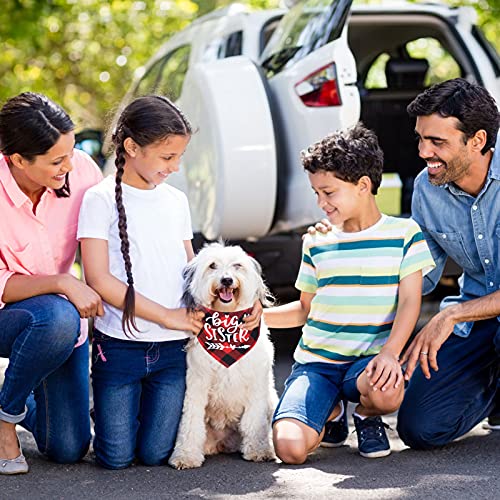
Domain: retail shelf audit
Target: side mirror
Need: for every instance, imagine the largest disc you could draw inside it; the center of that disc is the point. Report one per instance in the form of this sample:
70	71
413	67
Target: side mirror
90	141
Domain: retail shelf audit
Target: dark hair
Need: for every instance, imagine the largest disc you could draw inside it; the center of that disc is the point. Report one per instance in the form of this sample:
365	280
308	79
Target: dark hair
349	154
472	105
30	124
146	120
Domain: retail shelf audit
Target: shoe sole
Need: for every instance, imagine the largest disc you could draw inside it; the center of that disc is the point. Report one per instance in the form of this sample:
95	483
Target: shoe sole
375	454
491	427
14	473
325	444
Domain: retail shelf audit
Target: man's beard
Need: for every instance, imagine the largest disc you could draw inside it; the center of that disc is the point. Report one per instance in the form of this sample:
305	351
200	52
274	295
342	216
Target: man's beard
453	171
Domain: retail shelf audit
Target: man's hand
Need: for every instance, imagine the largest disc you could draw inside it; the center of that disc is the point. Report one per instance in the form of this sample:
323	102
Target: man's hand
85	299
427	343
252	321
384	371
322	227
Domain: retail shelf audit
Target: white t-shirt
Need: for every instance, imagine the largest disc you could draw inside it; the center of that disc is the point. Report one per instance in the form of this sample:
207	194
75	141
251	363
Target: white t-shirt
158	222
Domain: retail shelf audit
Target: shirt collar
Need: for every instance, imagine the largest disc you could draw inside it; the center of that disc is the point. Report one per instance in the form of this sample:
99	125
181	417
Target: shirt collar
11	187
494	171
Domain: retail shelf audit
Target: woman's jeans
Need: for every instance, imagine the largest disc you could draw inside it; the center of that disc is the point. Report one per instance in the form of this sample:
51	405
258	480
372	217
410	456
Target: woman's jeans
138	396
46	388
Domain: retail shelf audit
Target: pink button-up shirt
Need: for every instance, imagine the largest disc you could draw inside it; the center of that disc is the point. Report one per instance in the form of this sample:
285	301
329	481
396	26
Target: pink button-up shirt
43	243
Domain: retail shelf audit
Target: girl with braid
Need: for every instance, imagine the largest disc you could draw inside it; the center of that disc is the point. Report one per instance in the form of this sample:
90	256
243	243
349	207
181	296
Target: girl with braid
135	233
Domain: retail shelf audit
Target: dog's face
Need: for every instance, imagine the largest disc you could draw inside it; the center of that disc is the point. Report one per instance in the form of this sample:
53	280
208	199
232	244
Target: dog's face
224	279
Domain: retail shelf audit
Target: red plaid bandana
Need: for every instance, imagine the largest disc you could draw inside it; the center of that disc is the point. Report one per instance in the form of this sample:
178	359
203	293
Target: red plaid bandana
222	337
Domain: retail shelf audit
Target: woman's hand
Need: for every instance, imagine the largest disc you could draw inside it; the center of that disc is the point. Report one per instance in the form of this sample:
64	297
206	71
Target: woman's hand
85	299
384	372
252	321
182	319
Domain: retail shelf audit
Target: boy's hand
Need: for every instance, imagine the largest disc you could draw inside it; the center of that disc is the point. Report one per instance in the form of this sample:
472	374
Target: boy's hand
323	227
252	321
384	372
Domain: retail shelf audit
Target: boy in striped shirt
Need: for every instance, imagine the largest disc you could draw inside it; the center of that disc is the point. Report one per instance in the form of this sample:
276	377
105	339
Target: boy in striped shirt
360	299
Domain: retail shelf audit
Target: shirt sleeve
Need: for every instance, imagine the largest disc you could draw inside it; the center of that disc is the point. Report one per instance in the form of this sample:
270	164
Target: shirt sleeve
187	226
96	213
307	280
5	274
416	253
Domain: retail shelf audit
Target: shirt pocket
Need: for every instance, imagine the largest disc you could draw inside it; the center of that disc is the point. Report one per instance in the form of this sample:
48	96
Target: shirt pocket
19	259
454	246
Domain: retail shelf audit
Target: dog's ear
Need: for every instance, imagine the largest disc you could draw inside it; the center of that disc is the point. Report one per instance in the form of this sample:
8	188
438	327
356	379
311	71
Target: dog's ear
264	295
187	297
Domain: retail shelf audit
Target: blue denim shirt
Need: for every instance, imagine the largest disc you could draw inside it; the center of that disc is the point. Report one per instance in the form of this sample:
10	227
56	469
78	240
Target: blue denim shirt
467	229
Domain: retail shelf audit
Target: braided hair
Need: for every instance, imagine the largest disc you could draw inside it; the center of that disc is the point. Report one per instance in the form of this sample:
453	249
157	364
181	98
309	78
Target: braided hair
145	120
30	124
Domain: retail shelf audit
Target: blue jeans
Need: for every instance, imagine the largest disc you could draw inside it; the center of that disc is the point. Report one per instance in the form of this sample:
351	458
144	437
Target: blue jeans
313	390
458	396
46	387
138	396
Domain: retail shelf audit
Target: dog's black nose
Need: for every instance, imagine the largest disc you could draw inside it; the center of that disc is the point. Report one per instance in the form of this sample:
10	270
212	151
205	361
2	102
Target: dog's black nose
226	281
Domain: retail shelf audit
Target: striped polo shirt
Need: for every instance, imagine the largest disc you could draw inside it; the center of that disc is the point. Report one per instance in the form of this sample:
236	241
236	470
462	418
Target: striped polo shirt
355	278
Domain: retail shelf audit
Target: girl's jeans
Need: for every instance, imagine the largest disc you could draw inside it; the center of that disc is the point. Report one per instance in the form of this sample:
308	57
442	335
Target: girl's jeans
46	388
138	396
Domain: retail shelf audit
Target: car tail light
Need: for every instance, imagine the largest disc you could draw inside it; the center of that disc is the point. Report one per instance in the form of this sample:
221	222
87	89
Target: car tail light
320	89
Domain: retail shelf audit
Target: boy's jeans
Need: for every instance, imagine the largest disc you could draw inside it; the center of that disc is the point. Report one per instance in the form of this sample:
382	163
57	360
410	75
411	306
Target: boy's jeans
458	396
46	388
138	396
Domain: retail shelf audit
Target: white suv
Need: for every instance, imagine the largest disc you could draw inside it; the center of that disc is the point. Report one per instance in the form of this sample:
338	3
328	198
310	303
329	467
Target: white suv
261	86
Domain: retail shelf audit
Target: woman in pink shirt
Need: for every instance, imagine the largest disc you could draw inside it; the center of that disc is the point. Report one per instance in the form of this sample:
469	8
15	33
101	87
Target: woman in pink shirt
43	330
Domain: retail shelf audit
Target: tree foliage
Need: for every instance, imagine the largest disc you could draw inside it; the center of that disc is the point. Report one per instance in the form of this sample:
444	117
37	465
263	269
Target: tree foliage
84	53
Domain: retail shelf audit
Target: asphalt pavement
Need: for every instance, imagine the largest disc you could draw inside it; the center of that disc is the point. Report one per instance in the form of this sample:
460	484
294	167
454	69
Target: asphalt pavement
468	468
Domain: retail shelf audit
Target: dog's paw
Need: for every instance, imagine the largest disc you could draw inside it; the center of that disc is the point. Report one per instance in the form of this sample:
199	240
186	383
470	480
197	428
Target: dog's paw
263	455
192	461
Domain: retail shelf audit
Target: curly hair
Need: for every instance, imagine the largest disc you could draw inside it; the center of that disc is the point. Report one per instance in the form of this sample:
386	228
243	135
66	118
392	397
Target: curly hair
349	154
471	104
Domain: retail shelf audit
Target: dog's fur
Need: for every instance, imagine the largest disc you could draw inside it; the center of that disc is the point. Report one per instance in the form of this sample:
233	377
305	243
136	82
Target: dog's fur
226	409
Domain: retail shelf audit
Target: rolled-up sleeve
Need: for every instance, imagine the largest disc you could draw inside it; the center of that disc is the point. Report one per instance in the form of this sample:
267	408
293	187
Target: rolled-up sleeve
5	274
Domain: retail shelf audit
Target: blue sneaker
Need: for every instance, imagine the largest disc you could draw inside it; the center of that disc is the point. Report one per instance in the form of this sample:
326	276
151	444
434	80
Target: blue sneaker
336	433
372	439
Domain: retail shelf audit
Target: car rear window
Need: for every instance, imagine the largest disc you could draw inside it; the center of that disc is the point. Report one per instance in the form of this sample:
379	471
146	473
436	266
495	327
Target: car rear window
306	27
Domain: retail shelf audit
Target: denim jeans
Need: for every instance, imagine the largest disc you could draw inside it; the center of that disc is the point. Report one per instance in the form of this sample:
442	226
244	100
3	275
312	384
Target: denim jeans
459	395
138	396
46	387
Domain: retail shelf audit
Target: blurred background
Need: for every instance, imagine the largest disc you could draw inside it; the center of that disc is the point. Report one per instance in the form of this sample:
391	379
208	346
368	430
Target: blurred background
84	54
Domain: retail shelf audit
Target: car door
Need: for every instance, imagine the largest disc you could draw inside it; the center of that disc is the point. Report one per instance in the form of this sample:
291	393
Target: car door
312	75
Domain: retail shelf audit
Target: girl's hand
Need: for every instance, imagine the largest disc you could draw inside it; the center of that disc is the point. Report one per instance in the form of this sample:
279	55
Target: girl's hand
85	299
252	321
181	319
384	372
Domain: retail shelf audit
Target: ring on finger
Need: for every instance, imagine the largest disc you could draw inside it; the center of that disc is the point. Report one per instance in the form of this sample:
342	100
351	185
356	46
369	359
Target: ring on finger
423	353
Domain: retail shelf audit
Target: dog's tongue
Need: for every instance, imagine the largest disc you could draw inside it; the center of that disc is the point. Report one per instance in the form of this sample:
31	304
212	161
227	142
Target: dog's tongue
226	294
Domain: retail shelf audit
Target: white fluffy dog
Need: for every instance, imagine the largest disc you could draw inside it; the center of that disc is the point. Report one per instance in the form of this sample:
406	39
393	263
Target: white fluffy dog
226	409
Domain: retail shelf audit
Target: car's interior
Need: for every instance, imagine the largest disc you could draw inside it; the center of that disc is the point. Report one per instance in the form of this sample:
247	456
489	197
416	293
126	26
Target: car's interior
396	60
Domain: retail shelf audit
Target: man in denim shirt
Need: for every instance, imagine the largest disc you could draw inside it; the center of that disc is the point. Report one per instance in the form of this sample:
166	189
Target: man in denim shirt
456	202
